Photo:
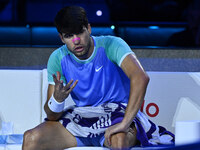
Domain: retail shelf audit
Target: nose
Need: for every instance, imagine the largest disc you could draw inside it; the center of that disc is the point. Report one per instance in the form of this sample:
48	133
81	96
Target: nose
76	39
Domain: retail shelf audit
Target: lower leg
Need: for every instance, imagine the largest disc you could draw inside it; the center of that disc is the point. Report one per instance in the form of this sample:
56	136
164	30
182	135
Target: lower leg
119	141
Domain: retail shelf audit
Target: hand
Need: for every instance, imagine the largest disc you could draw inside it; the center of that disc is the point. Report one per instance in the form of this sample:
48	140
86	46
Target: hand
62	92
119	127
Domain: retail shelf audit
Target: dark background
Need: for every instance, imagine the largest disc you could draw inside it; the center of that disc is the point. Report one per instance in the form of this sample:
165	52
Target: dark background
28	35
42	12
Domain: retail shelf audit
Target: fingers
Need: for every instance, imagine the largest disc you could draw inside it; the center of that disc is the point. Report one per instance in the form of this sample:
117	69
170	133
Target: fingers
58	83
61	92
119	127
54	78
58	75
109	140
107	136
68	88
72	87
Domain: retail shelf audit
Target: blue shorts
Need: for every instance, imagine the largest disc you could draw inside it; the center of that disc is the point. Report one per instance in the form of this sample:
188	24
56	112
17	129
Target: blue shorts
95	141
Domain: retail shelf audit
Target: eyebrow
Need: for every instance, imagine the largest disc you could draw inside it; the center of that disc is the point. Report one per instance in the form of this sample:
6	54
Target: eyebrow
81	31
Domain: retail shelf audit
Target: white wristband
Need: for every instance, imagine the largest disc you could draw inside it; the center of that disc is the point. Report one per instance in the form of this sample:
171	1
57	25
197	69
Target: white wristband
55	106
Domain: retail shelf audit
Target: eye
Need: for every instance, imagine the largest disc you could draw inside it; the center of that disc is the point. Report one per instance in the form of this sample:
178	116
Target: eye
68	35
82	31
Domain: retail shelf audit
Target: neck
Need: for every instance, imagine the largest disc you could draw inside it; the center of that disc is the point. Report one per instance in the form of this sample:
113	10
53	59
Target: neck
90	50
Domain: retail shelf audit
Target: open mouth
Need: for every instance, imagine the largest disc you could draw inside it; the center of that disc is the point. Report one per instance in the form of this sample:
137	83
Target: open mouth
78	49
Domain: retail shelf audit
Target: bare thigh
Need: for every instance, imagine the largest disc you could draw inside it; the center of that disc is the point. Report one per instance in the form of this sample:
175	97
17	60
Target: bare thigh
48	135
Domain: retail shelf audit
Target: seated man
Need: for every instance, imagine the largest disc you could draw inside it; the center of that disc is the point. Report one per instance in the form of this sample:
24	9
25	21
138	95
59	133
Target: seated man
108	91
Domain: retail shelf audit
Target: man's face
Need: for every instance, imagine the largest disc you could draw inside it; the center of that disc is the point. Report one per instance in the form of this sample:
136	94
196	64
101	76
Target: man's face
79	44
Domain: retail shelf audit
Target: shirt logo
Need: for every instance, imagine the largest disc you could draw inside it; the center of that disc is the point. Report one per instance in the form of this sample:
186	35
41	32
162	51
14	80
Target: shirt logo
97	69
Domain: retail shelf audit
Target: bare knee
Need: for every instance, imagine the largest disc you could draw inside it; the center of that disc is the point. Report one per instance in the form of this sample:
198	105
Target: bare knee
119	141
31	139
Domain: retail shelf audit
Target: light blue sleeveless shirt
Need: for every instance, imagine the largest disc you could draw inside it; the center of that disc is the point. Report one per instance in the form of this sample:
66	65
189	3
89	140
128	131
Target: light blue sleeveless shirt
100	78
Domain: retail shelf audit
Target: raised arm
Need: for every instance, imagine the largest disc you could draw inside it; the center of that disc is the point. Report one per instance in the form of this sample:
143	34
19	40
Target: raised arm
59	93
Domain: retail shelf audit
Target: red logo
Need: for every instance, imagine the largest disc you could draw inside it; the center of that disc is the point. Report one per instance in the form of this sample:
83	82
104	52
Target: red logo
148	107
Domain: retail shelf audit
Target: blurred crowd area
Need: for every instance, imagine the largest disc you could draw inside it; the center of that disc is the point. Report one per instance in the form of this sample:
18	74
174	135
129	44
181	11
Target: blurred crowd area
43	11
129	13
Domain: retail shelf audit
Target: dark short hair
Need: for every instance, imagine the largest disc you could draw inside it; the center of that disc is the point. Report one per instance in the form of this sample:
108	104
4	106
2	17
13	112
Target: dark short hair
71	19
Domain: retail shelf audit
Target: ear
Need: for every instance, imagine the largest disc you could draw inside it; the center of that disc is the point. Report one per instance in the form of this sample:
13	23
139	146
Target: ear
61	37
89	28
